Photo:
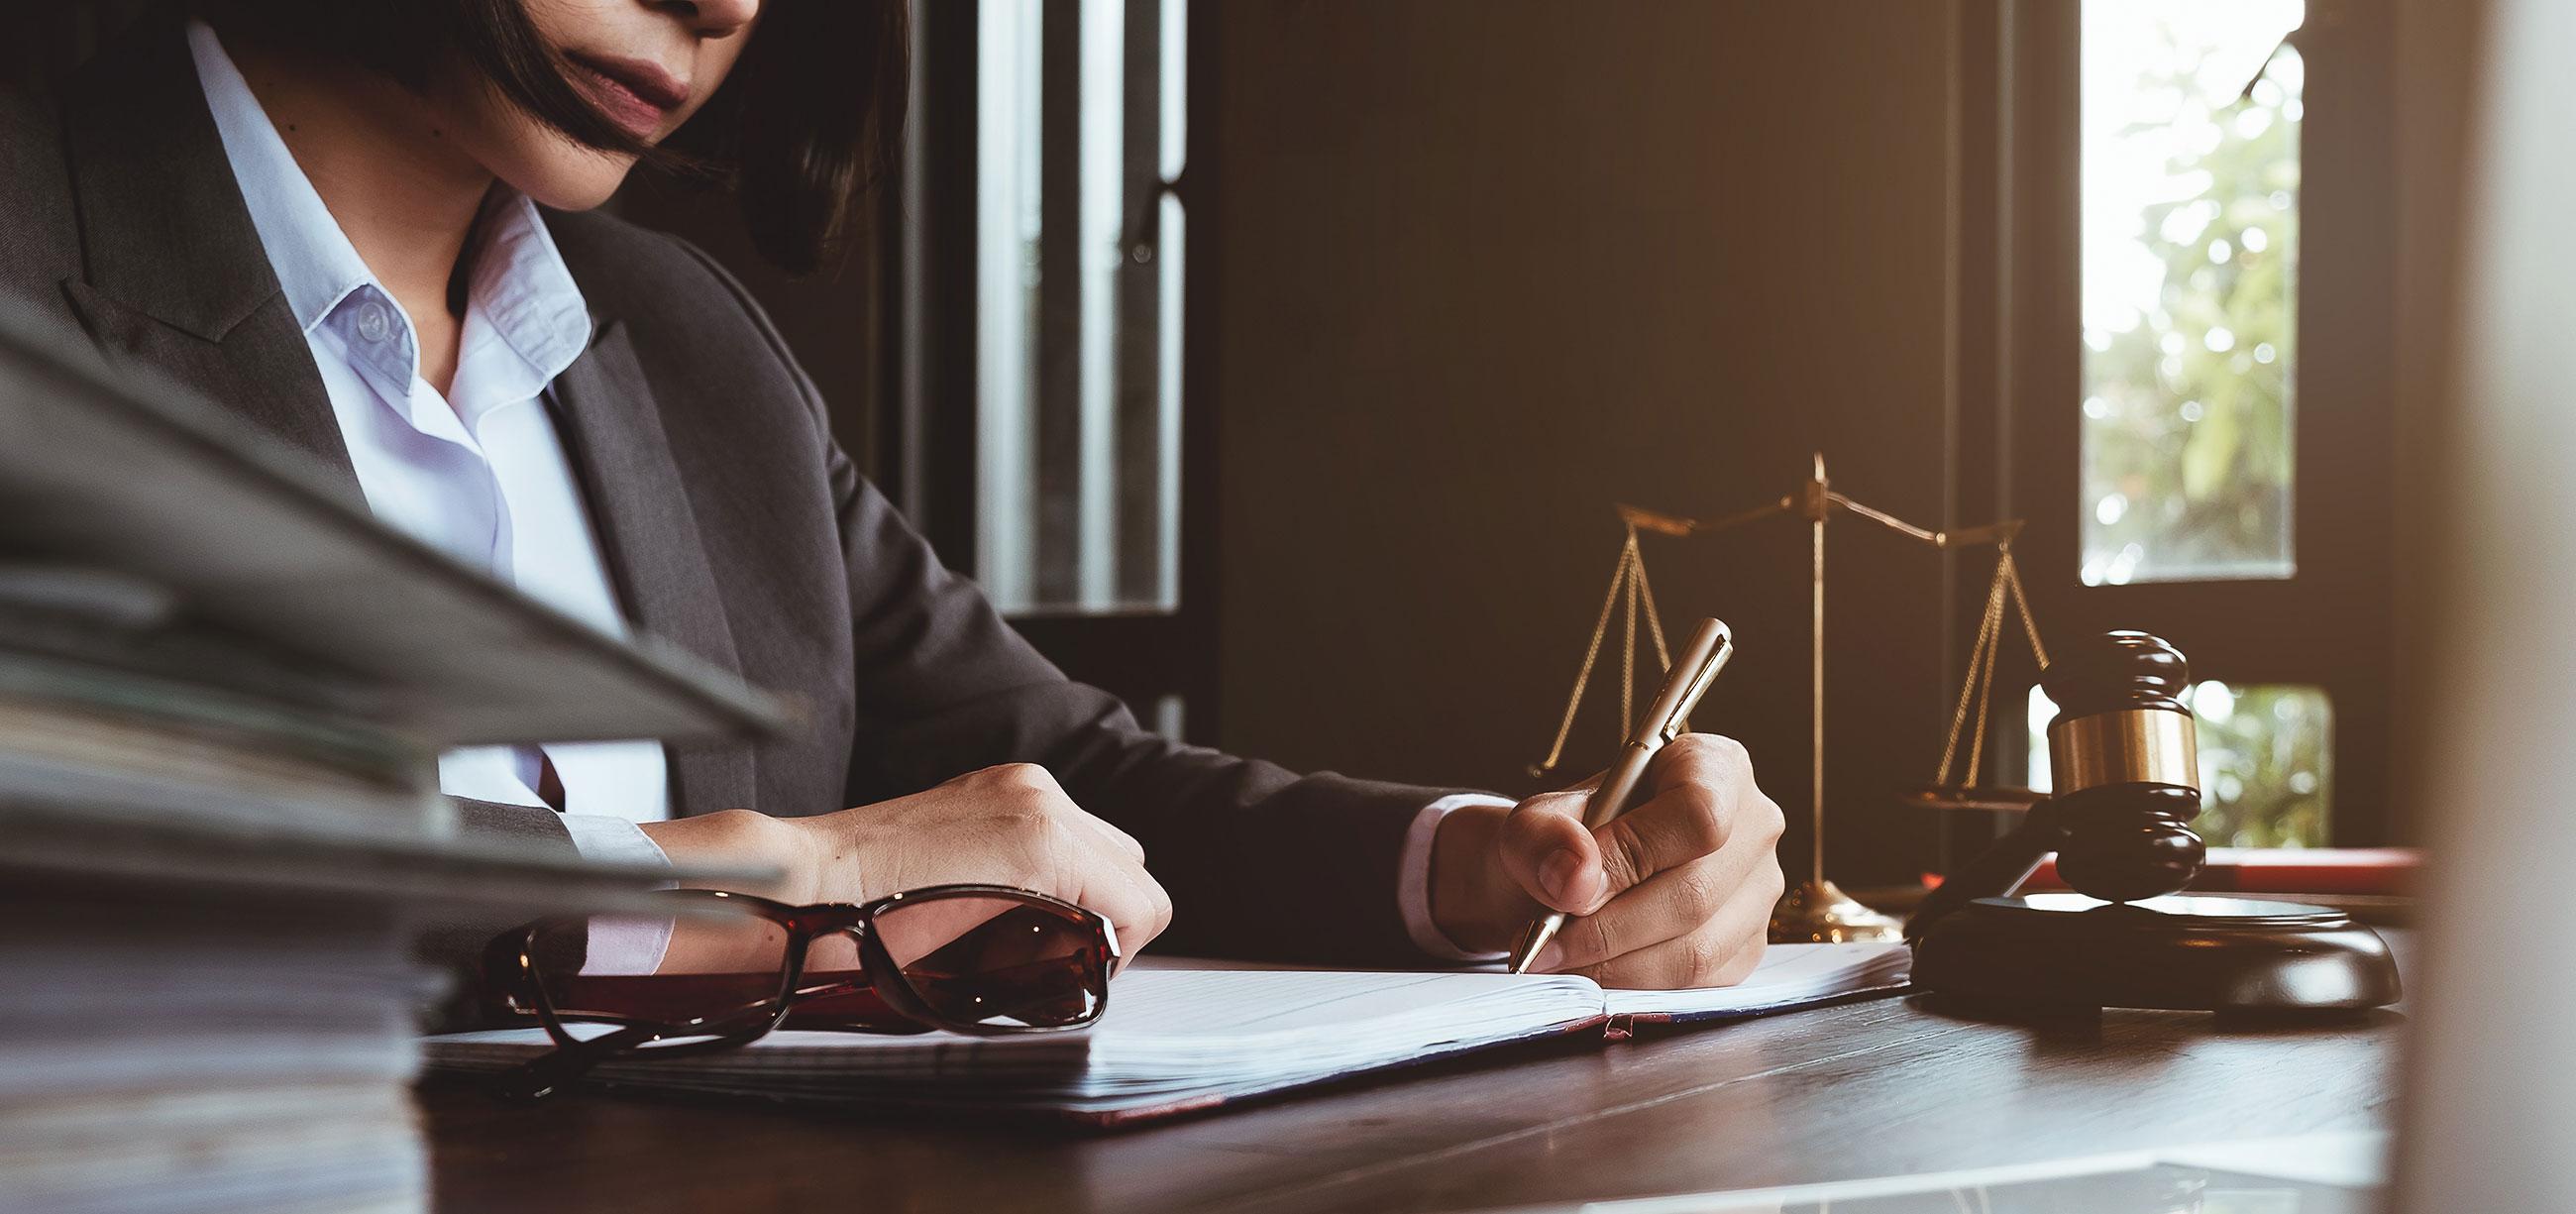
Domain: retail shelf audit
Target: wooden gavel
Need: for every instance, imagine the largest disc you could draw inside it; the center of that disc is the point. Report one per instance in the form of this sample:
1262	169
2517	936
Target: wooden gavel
2123	753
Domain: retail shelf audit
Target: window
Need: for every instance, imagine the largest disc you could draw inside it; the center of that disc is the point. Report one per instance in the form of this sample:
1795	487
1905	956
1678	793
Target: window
1047	283
2191	218
1077	333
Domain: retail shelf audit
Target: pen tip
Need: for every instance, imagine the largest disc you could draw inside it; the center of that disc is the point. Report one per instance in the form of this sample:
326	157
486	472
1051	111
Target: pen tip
1533	938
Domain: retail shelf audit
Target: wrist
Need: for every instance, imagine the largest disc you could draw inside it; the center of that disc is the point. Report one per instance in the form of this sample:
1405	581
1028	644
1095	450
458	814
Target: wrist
1470	901
778	848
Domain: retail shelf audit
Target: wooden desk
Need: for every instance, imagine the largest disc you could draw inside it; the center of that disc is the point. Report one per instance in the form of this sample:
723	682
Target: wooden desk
1868	1089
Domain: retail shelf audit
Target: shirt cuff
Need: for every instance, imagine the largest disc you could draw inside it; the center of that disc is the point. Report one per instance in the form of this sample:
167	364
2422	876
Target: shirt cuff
620	944
613	841
1413	877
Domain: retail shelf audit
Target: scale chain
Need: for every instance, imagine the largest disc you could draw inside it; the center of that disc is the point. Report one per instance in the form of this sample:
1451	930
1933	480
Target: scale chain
1628	649
2008	568
1591	654
1654	621
1978	685
1979	658
1628	587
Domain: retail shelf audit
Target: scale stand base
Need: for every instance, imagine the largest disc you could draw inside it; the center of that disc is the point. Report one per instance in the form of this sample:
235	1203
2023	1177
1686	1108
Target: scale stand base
1814	912
2055	952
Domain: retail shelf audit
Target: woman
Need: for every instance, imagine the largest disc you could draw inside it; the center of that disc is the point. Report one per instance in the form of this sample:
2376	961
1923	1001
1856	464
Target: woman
368	227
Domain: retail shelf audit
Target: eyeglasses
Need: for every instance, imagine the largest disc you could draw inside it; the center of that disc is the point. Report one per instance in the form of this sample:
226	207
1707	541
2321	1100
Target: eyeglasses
723	969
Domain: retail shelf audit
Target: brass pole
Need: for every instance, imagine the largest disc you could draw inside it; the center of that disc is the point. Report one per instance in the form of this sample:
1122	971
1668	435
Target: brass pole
1815	910
1816	660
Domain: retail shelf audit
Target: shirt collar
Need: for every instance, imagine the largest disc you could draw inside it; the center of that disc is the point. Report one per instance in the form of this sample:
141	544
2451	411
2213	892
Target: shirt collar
314	261
521	294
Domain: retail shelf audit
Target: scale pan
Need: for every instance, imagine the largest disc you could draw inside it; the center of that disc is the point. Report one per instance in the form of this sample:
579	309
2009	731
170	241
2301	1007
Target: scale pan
1993	798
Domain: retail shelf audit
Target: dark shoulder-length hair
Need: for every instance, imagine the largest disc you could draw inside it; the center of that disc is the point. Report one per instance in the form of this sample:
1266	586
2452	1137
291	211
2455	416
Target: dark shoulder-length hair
808	121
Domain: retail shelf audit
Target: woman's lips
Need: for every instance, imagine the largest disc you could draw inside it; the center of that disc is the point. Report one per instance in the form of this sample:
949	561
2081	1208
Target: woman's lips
634	93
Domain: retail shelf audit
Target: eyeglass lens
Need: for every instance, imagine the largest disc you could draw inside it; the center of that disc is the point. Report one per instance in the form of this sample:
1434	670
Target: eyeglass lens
997	962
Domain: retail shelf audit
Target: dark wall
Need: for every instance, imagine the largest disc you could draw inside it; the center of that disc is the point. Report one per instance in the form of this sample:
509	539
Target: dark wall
1490	267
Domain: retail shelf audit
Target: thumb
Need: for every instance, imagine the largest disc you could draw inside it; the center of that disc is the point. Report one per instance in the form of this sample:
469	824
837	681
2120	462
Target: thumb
1551	857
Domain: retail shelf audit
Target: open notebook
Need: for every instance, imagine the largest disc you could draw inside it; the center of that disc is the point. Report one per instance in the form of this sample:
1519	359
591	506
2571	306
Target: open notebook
1183	1035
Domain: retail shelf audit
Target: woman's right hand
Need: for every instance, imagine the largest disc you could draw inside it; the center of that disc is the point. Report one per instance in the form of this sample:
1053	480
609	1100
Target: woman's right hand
1008	825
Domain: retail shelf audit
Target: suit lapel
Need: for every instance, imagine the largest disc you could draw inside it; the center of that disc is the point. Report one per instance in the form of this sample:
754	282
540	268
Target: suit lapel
174	276
261	368
612	432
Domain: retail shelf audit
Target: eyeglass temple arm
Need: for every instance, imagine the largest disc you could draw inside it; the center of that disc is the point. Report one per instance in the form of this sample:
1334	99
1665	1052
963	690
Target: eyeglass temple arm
540	1076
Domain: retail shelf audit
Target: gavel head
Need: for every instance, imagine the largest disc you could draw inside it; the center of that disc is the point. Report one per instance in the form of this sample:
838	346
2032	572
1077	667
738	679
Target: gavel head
2124	756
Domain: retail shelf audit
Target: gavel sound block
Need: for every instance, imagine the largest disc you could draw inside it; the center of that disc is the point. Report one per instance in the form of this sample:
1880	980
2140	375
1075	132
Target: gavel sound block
2124	755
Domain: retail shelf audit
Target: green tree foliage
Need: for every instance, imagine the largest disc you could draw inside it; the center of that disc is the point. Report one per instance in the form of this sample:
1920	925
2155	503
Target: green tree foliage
2187	434
2263	767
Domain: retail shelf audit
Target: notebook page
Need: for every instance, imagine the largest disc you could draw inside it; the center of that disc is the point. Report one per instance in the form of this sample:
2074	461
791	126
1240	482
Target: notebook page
1194	1001
1789	975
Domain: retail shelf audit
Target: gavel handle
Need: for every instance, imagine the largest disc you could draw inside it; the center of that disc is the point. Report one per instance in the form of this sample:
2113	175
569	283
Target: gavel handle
1997	871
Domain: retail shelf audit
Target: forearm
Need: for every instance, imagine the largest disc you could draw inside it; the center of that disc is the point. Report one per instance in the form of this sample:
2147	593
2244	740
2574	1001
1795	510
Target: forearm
1260	861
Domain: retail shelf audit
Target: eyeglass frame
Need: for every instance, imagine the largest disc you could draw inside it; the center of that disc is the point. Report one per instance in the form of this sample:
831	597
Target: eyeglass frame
513	953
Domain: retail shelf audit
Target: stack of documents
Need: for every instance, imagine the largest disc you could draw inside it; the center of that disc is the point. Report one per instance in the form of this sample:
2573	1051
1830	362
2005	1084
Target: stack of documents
177	1030
1184	1035
186	1055
223	690
162	745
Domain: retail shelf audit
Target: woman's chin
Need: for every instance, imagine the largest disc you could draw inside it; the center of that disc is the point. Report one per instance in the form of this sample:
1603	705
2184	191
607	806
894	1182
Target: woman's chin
570	177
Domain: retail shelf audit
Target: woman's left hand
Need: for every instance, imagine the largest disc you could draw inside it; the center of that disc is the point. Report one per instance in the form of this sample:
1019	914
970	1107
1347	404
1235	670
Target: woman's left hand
1675	893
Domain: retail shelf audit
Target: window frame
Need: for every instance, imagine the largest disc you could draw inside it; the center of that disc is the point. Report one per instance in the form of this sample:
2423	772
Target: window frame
2331	623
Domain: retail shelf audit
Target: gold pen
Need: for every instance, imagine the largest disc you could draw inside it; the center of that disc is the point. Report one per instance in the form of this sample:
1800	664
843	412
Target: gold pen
1621	786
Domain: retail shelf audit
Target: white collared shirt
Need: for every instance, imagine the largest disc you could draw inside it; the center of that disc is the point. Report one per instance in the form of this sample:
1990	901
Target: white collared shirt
478	472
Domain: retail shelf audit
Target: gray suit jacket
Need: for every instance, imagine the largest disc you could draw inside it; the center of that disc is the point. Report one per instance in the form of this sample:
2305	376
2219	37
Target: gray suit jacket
732	524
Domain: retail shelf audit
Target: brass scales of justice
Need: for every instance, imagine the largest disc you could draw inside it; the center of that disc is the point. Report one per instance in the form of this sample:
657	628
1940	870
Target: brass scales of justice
1814	910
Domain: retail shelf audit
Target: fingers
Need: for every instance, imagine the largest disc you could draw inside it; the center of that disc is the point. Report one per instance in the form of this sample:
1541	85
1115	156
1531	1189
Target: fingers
1719	952
1118	840
1699	758
1699	782
1699	785
1668	906
1687	880
1078	856
1111	879
1107	870
1135	904
1029	780
1550	856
